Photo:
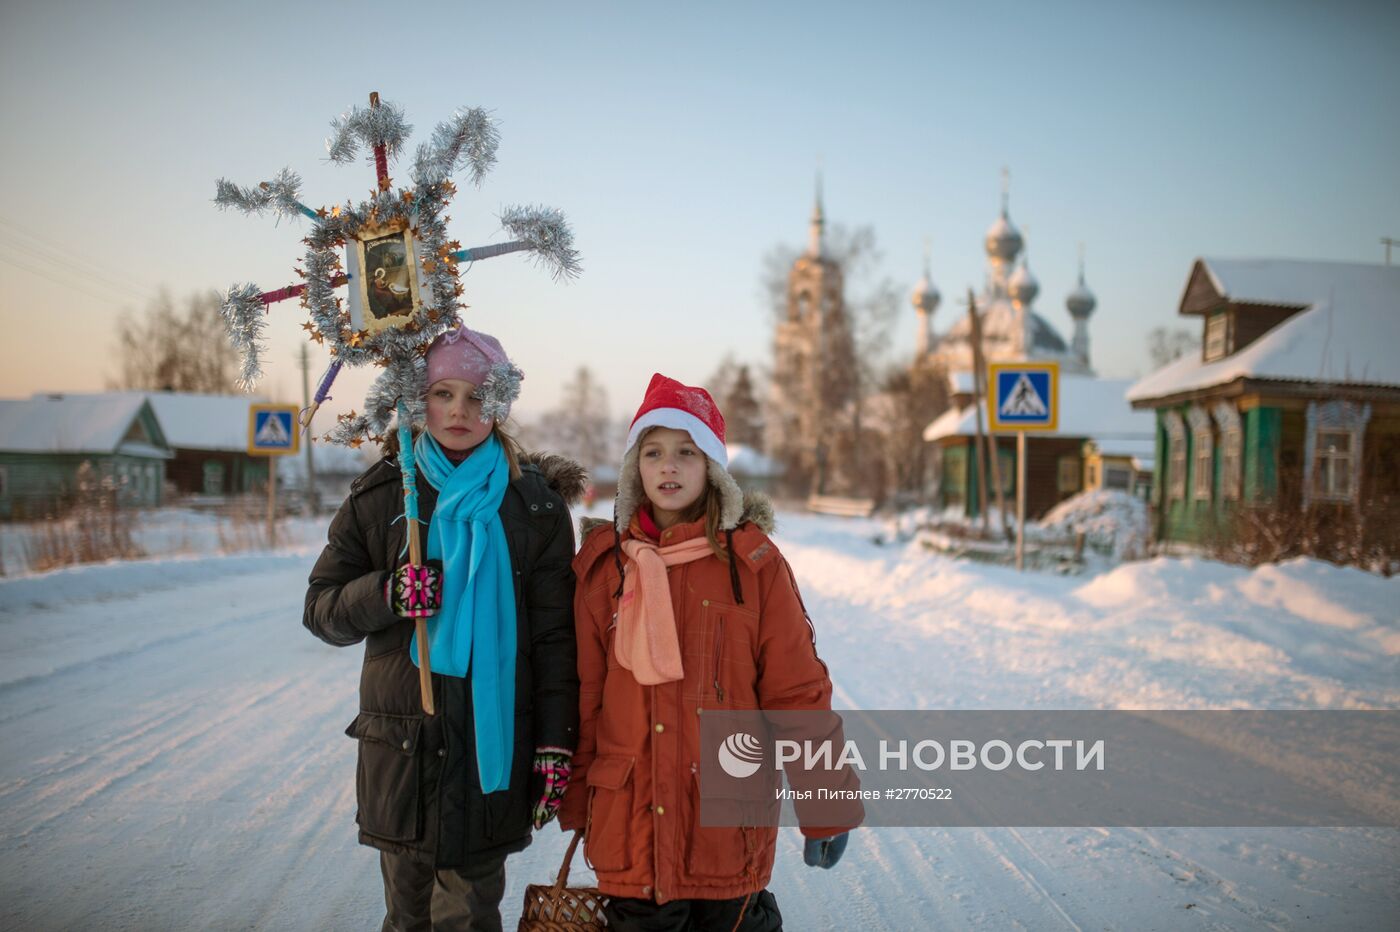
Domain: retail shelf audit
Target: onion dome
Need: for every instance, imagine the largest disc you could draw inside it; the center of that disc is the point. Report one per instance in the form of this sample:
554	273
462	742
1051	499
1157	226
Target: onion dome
925	296
1022	286
1081	301
1003	240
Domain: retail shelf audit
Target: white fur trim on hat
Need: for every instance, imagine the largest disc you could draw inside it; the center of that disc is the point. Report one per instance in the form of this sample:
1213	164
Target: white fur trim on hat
630	493
676	419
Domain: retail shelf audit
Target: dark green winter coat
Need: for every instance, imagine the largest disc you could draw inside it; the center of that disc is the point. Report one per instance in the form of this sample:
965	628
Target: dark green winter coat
416	781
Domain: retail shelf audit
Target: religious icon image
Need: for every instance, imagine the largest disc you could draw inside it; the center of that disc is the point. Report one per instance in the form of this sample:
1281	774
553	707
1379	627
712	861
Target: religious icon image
390	288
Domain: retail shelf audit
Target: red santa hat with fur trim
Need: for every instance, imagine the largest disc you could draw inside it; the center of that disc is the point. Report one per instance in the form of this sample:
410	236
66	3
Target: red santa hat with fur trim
668	403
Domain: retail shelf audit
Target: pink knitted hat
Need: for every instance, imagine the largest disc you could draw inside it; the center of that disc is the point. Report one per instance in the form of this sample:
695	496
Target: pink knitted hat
479	358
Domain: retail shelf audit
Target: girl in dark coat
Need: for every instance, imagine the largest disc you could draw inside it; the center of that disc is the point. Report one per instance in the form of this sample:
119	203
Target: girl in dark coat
446	797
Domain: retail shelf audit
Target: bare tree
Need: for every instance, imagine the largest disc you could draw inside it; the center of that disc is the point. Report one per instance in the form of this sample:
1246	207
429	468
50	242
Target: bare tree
911	398
182	349
1164	345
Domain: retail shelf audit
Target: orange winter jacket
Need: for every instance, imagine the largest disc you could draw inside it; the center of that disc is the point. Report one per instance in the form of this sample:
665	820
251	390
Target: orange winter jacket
635	773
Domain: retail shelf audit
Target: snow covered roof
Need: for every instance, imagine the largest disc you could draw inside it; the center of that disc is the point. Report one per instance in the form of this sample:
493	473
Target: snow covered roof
192	421
746	461
203	422
1348	334
76	424
1090	407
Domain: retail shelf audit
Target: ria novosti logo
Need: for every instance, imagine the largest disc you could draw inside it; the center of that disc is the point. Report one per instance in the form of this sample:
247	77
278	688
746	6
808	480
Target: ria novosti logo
740	755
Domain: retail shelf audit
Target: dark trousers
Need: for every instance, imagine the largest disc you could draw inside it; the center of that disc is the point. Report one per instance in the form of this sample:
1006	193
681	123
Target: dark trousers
420	899
760	914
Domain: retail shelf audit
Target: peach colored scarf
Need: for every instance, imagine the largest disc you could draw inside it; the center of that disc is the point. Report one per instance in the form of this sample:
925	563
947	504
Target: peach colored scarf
646	641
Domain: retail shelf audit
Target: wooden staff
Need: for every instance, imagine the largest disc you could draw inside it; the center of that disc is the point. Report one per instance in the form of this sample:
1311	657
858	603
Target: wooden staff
409	468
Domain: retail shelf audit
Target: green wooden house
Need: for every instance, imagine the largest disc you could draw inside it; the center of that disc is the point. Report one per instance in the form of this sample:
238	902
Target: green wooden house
1289	416
50	445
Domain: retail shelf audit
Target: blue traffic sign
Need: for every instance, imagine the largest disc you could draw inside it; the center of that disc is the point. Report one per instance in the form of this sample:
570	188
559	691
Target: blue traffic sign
1024	396
272	429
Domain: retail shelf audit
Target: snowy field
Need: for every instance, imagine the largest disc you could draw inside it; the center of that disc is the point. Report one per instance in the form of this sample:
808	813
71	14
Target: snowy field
173	755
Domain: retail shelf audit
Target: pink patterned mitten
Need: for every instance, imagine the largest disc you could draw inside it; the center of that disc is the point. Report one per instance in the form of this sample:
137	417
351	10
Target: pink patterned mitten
415	591
551	777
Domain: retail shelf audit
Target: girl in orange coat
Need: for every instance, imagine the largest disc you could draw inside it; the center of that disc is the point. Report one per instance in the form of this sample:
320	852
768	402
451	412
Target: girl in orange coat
683	605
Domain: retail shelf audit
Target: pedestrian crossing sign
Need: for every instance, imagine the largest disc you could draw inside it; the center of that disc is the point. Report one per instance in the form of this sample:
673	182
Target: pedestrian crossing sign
273	430
1023	396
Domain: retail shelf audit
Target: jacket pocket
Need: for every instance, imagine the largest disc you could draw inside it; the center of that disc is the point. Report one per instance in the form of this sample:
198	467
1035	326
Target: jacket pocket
609	814
721	851
730	673
386	776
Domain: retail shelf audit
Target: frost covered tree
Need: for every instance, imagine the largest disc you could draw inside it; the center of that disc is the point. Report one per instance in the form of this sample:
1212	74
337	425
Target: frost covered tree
742	415
581	426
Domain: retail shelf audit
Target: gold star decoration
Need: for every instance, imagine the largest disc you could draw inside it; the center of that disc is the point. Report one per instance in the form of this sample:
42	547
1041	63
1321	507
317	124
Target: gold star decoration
356	442
322	212
358	337
407	196
320	339
385	184
309	327
429	265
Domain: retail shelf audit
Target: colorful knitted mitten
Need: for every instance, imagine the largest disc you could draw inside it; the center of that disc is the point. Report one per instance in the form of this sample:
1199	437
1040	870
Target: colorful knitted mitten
415	591
552	769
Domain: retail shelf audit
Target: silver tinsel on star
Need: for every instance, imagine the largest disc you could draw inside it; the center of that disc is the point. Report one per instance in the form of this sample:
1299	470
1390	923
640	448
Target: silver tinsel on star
245	318
500	390
468	140
371	126
403	379
549	236
280	195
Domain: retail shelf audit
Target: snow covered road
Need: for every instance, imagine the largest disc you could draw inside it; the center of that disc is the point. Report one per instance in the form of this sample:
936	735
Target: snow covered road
173	754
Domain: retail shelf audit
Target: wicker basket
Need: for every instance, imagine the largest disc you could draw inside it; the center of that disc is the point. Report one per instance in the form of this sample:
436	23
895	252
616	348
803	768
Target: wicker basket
560	907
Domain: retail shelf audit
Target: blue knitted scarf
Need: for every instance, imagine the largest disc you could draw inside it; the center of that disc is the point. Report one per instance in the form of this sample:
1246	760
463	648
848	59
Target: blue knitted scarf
474	632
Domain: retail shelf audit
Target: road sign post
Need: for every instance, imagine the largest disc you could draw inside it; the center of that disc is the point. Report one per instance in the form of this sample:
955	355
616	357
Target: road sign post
1023	396
272	432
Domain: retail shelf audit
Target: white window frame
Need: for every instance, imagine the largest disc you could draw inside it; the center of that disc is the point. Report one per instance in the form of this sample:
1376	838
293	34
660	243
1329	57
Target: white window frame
1333	456
1202	454
1227	421
1217	339
1176	456
1326	419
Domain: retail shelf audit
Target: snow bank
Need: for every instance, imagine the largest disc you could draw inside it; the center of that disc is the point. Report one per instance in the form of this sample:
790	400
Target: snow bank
1112	521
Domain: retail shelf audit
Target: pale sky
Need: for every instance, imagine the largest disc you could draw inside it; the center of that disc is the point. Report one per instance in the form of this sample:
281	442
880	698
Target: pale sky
681	141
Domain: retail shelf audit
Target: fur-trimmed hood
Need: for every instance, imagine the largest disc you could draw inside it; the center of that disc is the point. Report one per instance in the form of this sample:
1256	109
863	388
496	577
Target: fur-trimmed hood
757	510
565	476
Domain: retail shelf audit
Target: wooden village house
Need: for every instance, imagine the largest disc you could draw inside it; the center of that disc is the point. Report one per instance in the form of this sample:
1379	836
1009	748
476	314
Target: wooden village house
1287	422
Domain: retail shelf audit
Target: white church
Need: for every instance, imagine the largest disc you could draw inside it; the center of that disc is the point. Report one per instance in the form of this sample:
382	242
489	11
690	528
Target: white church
1100	441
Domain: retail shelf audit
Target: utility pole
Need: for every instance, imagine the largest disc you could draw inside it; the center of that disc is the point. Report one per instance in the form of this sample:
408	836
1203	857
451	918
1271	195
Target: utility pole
313	498
979	398
1387	242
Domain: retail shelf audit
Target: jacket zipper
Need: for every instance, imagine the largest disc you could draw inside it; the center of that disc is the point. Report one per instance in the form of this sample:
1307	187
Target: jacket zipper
719	654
